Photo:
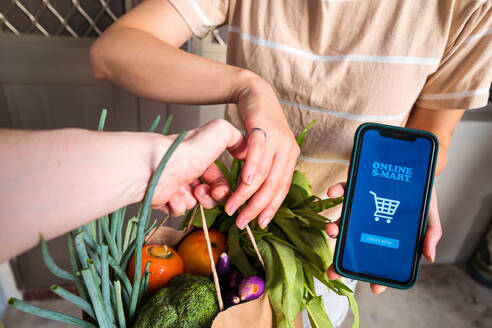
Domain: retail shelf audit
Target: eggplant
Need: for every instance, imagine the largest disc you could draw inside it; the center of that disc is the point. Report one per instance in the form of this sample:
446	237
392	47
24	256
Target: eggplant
235	278
251	288
230	298
223	267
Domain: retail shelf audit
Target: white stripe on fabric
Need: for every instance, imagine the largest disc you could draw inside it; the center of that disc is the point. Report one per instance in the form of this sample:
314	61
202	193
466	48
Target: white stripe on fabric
454	95
324	160
477	36
473	38
200	13
325	58
349	116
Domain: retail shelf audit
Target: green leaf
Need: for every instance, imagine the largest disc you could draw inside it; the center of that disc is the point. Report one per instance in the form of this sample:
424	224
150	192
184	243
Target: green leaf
341	287
323	204
287	263
236	254
319	243
314	220
296	195
308	278
274	283
225	172
236	167
302	181
353	307
317	313
302	136
292	230
210	217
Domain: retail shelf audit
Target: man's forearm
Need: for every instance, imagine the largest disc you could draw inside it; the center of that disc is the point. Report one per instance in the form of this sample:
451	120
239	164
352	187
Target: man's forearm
55	181
150	68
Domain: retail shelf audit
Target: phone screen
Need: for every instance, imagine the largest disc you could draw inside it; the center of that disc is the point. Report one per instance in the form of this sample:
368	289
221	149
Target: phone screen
387	202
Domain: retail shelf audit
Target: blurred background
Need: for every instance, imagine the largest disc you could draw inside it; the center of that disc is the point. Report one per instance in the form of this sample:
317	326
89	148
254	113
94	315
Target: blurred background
46	83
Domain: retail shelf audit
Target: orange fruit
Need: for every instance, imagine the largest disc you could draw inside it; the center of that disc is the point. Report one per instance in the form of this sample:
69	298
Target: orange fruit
164	265
193	251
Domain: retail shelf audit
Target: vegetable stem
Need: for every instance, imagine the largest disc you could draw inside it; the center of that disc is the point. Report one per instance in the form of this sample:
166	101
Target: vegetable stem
74	299
143	221
47	314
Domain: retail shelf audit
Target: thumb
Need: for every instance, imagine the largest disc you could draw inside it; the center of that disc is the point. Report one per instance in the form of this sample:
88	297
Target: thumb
210	140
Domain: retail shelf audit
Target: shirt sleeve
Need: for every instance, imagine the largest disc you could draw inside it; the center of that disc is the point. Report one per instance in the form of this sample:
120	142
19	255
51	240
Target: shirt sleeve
464	75
202	16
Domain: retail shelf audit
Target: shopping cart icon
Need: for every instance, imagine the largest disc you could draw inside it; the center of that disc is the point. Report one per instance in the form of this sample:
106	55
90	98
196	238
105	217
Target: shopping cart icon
385	208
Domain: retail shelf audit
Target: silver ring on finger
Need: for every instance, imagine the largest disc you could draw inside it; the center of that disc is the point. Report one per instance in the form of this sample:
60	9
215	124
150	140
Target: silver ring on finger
257	129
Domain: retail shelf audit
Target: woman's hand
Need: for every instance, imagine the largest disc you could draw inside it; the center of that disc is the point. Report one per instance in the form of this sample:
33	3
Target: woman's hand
194	158
432	235
271	155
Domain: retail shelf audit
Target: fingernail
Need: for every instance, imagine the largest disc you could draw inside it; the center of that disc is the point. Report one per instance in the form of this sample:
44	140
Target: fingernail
264	222
242	224
220	194
231	209
433	257
249	179
205	197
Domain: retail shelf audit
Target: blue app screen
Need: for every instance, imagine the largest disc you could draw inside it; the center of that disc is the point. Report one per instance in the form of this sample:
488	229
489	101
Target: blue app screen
386	206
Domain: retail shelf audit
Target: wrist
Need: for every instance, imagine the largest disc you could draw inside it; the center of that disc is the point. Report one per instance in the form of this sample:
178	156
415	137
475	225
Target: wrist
248	82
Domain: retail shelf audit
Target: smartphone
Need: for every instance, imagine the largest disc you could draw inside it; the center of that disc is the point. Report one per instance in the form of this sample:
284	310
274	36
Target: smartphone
386	202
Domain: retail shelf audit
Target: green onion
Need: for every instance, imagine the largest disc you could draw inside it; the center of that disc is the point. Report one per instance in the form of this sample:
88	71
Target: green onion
167	125
96	299
128	232
143	284
75	266
131	248
47	314
154	125
102	119
111	242
74	299
121	274
51	265
105	278
95	259
142	223
119	305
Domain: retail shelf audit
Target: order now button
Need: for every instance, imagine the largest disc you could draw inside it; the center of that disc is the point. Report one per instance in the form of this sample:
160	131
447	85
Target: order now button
378	240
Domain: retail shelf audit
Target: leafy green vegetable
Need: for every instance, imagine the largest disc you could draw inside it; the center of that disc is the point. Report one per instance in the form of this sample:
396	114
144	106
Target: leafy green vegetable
236	254
302	136
317	313
300	179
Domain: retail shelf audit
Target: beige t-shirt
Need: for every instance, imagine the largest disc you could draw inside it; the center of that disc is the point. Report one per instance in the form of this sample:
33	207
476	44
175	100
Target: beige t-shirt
346	62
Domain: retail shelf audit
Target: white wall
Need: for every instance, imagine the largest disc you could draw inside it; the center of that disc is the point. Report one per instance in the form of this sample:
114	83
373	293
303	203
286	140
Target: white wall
7	282
464	191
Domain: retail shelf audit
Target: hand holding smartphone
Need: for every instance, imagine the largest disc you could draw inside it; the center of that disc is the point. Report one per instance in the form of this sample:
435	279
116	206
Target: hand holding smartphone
386	205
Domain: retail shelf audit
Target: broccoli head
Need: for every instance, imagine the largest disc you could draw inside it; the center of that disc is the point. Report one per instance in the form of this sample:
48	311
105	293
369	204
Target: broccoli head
187	302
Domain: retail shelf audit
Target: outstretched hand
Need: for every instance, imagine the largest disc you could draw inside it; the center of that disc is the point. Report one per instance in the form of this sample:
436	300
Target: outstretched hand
194	159
432	235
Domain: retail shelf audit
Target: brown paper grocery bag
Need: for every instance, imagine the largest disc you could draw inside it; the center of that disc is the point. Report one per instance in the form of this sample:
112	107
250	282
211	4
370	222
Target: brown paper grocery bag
256	313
